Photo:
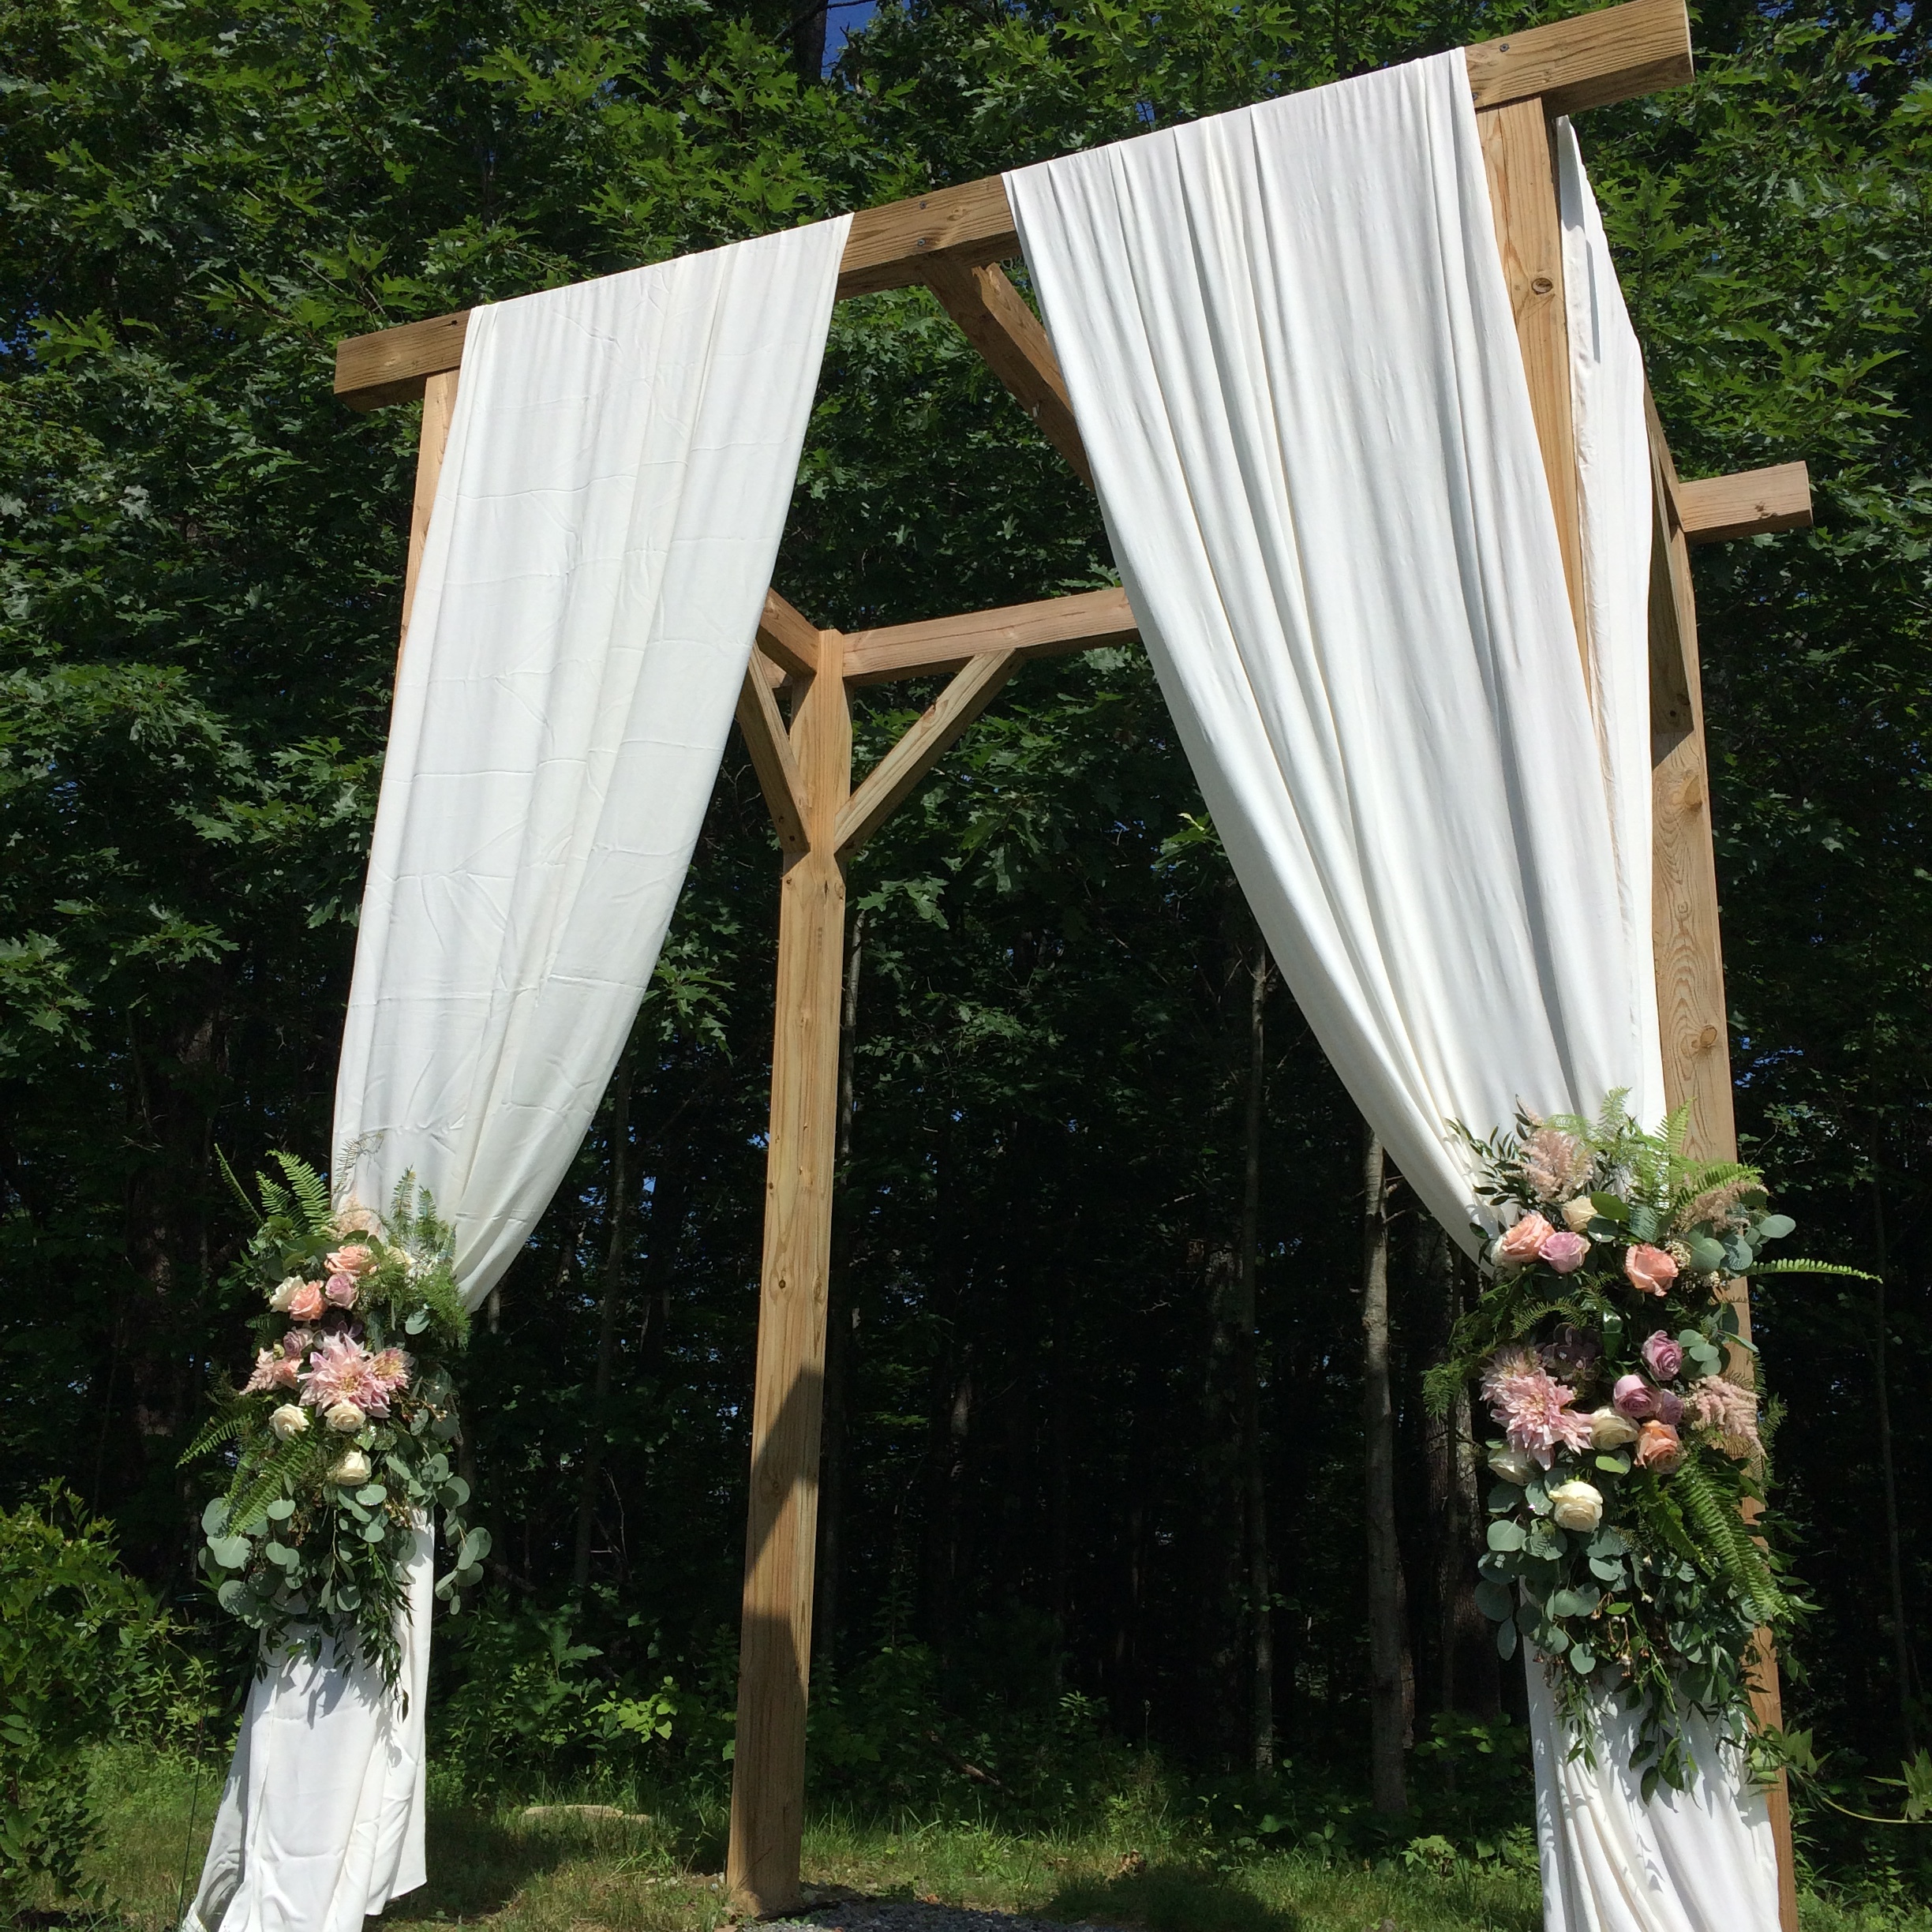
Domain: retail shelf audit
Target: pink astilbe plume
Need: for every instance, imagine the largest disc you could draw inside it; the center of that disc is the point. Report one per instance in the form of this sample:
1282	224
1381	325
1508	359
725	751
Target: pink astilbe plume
1532	1407
1726	1413
342	1370
1554	1164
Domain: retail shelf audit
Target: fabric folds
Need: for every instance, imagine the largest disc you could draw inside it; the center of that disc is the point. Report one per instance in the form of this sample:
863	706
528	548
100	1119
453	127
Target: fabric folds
1291	356
619	466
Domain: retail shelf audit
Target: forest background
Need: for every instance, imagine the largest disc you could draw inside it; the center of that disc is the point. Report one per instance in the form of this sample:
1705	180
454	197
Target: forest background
1095	1445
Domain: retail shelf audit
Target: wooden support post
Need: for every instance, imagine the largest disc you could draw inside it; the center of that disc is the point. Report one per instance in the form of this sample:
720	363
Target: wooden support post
768	1773
1689	956
439	407
1528	226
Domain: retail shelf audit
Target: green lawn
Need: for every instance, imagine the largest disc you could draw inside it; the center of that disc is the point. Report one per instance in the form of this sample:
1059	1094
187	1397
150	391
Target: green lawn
566	1871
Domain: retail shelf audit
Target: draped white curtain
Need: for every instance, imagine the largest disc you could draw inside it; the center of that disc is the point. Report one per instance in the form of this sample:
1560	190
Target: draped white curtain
1291	356
610	506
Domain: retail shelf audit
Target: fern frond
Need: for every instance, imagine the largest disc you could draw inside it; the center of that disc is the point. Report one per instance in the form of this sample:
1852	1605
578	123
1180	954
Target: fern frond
1738	1560
252	1491
222	1428
309	1190
1794	1264
240	1193
274	1196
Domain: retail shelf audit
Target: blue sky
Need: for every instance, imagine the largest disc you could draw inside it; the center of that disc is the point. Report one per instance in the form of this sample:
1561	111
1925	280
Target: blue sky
843	17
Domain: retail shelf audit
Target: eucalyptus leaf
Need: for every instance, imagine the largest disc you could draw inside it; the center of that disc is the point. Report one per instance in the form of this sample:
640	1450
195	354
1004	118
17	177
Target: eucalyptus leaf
1775	1227
281	1509
1506	1535
1506	1641
1583	1660
1494	1601
375	1532
1705	1254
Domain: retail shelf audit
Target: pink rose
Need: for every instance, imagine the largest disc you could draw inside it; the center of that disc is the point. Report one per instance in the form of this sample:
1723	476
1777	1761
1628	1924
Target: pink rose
352	1258
306	1304
1524	1242
1658	1447
1651	1270
1670	1408
1663	1356
1564	1252
342	1290
298	1343
1634	1397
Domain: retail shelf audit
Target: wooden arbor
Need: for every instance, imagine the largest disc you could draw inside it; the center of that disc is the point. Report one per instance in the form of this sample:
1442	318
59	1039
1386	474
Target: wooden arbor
952	241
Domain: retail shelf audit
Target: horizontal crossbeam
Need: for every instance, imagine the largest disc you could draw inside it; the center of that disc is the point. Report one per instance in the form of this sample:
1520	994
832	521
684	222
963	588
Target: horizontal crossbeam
1569	65
1053	627
1749	504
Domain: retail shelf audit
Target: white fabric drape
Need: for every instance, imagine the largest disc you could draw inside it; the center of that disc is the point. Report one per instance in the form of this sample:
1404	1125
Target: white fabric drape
1291	356
1289	349
611	498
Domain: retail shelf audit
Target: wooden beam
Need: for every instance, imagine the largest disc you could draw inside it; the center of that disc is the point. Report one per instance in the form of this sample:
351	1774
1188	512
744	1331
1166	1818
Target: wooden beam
1689	957
1053	627
1749	504
774	1657
432	440
1012	339
938	729
1588	60
1569	65
893	246
778	774
787	638
1528	226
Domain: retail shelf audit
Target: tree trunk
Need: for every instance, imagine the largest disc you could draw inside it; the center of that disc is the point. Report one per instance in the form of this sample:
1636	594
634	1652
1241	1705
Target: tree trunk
1901	1647
610	1302
841	1317
1386	1647
1254	1475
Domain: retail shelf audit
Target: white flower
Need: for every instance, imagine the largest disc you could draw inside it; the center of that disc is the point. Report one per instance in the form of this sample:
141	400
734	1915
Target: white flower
1577	1214
289	1420
1514	1465
344	1417
1576	1505
1608	1430
280	1299
353	1468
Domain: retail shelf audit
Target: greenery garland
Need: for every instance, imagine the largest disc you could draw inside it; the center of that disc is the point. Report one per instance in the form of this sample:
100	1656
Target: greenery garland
1626	1541
341	1437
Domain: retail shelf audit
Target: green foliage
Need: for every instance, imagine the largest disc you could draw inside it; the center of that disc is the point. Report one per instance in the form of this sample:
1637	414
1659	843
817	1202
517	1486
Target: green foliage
84	1654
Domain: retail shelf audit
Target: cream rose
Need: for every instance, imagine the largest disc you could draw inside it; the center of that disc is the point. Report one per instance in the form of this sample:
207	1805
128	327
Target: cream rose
1576	1505
289	1420
353	1468
344	1417
1514	1465
1608	1430
279	1300
1578	1214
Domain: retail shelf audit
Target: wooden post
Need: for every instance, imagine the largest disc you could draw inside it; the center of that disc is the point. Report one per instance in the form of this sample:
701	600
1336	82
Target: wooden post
439	407
1529	225
1689	956
774	1666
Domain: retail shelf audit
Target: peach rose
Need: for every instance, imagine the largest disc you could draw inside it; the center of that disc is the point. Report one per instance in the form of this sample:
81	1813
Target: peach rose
1651	1270
306	1304
1524	1242
352	1258
1659	1447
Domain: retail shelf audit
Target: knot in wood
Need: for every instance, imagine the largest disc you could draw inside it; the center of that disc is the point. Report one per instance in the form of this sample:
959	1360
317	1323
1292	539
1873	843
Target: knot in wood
1541	285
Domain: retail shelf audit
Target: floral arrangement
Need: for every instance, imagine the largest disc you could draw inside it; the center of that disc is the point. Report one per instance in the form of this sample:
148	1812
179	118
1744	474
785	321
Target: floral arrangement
341	1434
1632	1455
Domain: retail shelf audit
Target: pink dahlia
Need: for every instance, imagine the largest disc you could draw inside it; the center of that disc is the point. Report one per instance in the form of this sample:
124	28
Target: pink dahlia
273	1370
1535	1411
342	1370
391	1368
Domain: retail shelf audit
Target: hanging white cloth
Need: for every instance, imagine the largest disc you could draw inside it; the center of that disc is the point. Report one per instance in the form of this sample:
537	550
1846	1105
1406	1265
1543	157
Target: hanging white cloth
619	466
1289	349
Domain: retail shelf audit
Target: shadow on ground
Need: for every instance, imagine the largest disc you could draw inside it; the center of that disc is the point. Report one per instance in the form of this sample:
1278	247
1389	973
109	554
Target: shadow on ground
479	1860
1168	1898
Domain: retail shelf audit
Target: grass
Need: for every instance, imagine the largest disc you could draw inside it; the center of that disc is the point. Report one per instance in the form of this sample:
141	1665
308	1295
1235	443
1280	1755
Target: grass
574	1871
